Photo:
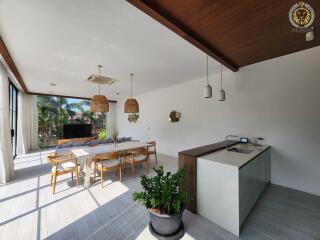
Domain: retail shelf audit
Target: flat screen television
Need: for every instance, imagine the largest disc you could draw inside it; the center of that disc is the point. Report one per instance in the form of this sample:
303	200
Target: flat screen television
76	131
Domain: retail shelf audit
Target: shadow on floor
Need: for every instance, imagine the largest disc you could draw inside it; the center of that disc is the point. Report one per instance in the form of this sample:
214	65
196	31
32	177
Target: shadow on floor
110	213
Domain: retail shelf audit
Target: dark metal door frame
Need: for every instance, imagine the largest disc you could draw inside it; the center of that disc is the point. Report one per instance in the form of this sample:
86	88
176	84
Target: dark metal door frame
13	115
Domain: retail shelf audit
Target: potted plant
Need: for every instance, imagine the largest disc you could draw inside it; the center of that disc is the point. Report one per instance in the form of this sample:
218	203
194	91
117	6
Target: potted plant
165	198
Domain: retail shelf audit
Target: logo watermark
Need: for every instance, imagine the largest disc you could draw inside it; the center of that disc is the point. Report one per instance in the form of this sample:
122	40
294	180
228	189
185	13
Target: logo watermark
301	16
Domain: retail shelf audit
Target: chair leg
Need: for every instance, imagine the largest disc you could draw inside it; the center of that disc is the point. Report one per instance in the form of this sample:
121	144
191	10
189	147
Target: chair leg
120	173
77	176
133	169
94	171
124	168
54	183
101	178
51	180
72	176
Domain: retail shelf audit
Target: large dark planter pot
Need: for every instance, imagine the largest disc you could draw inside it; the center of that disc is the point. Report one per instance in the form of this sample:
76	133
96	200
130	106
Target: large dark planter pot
166	225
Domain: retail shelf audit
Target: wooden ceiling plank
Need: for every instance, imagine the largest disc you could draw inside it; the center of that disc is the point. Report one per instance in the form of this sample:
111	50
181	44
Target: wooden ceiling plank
13	68
241	33
184	33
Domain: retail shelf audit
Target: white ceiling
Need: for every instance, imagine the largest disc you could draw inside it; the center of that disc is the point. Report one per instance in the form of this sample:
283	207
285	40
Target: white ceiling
62	41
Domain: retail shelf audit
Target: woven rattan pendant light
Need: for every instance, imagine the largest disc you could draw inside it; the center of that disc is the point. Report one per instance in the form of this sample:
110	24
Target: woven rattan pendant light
131	105
99	103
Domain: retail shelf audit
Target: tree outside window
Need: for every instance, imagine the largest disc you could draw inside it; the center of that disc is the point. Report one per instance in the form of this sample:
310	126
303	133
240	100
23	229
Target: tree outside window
54	112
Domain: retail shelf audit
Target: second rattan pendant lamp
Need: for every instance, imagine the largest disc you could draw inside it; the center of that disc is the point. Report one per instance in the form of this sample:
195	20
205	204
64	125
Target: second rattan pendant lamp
99	103
131	105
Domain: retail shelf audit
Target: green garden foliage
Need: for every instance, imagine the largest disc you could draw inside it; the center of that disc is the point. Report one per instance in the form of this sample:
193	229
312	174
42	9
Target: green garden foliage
102	134
54	112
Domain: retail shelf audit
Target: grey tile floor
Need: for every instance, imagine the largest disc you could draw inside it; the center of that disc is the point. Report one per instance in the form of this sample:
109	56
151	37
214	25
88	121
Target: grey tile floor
28	210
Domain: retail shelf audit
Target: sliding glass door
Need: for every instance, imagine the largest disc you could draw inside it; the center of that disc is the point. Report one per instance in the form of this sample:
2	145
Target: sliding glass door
13	111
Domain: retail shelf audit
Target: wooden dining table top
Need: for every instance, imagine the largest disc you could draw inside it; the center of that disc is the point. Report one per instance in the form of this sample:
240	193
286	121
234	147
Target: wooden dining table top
85	151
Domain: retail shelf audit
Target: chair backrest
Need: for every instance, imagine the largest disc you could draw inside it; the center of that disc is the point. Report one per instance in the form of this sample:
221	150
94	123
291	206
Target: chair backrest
152	143
107	156
138	151
56	159
50	157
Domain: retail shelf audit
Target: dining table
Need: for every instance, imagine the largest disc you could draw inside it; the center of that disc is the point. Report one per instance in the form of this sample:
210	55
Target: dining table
85	154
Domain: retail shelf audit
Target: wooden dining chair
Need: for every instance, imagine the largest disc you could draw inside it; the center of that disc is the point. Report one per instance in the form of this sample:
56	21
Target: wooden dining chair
107	162
152	150
62	164
137	156
122	154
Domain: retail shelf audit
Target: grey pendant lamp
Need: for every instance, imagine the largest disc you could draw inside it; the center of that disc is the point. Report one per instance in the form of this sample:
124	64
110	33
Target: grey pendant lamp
222	93
207	91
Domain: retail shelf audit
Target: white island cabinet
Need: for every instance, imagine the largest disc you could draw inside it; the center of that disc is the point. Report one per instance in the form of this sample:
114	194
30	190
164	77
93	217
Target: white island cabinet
230	183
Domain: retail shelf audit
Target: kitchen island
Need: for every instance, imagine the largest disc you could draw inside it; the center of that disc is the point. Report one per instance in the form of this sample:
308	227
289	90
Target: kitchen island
230	182
225	185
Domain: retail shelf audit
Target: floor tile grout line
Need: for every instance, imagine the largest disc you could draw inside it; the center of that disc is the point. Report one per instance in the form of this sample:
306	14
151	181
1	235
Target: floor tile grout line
39	210
111	220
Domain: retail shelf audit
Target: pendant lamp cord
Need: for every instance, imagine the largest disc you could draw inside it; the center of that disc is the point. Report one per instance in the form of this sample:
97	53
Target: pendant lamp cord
207	72
131	74
99	67
221	75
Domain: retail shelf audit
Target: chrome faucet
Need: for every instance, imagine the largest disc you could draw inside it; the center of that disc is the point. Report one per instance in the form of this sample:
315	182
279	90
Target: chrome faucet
233	136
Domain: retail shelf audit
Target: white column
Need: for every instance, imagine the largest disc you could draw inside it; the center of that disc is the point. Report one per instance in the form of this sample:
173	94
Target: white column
6	159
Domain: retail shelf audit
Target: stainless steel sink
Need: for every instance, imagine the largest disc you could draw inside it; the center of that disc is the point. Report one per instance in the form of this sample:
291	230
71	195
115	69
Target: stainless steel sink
240	150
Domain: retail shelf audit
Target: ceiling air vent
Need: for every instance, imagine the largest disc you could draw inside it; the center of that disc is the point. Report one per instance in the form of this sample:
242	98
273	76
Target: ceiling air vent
100	79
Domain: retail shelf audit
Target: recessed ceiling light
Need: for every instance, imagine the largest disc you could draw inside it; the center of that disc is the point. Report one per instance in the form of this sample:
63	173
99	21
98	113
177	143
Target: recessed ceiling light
53	84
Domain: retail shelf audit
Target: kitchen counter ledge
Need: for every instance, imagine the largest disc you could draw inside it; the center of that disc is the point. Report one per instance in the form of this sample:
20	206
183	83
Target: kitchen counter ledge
233	158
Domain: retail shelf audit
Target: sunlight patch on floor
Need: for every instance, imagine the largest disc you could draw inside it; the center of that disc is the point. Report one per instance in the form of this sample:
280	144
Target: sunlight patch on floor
110	191
70	205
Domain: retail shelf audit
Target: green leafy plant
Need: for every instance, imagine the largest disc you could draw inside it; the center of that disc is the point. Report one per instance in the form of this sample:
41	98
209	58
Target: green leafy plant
102	134
163	193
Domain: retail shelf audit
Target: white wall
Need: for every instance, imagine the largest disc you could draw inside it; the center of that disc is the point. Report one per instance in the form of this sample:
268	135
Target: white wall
277	99
111	119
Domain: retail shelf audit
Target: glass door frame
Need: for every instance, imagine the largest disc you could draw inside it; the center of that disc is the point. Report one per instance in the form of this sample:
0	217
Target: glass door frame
13	115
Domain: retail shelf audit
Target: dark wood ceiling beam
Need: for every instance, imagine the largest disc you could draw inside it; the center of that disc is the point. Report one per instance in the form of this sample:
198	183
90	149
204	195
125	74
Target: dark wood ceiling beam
9	61
64	96
182	31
